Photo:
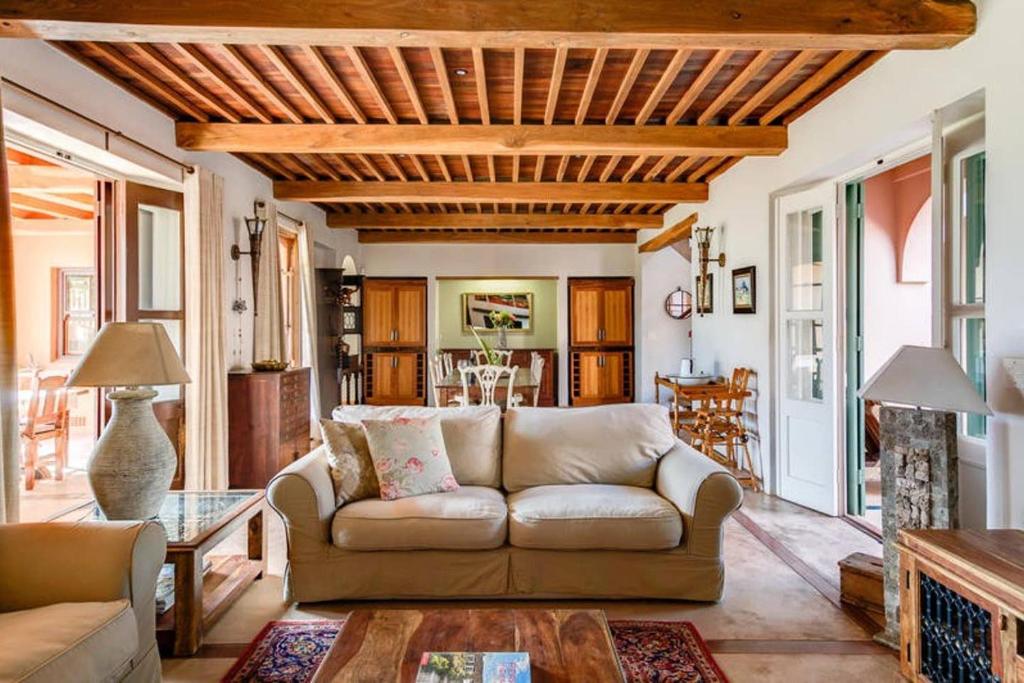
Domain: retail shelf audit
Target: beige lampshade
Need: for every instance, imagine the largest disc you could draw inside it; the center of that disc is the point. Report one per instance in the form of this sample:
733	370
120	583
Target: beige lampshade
129	355
925	377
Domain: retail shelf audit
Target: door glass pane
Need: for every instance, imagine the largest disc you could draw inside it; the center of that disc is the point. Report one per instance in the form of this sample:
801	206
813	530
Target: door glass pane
972	262
805	259
159	259
173	328
973	345
805	348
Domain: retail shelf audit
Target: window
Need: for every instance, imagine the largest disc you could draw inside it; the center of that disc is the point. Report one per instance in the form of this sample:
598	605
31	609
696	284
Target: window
74	312
291	316
967	312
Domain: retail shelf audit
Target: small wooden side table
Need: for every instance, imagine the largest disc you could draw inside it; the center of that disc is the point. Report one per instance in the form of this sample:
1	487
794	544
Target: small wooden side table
962	605
196	522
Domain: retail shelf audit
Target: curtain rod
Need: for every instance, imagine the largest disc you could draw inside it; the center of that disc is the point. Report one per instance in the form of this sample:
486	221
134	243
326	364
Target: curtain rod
107	129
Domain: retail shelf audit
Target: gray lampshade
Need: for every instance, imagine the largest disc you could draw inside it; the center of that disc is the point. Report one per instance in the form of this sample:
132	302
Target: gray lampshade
129	355
925	377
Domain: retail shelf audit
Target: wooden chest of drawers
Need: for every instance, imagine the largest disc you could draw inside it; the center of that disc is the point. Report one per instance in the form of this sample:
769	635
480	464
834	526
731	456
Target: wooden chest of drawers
268	424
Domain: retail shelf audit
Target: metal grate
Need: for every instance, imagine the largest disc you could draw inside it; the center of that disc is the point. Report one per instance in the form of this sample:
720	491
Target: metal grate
956	636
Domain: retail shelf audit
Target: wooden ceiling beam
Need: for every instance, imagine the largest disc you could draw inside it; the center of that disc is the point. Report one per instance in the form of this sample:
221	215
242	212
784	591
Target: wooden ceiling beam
497	236
674	233
490	220
313	138
667	24
355	56
502	192
52	208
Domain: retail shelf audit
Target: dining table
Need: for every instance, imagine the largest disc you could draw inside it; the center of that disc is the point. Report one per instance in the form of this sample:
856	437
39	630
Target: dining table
684	393
450	388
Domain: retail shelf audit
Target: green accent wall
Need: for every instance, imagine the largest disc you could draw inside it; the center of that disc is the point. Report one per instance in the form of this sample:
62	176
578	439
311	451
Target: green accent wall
545	312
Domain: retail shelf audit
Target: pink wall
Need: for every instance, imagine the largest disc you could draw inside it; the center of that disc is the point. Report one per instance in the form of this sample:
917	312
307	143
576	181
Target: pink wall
897	261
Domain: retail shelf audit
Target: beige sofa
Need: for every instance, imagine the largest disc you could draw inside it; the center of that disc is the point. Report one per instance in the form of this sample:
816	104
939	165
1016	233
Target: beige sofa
76	601
600	502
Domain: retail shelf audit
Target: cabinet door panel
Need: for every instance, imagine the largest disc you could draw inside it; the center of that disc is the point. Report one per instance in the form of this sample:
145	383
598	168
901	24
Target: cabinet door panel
406	381
588	382
378	313
613	377
381	384
617	315
410	314
586	315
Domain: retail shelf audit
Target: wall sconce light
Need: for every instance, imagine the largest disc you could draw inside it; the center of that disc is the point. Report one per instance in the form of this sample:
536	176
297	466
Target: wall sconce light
704	258
254	226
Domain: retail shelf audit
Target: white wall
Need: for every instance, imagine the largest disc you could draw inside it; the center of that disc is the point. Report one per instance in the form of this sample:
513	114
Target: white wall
885	108
46	71
662	341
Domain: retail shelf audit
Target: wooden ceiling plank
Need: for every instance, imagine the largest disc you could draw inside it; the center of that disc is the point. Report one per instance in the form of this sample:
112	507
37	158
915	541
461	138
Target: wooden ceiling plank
705	77
345	166
742	79
168	94
497	236
555	85
286	69
725	166
408	83
705	168
370	81
782	24
518	71
253	75
515	168
633	168
502	192
323	67
325	168
596	65
208	67
680	169
777	81
820	78
370	166
668	77
420	167
866	62
585	167
437	57
672	234
158	61
53	208
635	65
480	74
269	162
502	220
658	167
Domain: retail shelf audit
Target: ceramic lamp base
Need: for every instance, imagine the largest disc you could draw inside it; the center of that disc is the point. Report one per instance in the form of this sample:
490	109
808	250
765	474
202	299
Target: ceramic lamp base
133	462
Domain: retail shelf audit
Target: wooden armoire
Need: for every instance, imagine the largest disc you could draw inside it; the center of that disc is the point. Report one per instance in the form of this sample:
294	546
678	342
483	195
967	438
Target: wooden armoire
600	340
395	340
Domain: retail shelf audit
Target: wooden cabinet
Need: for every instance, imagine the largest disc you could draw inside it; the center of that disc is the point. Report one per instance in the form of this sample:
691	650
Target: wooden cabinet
395	378
600	377
268	424
394	313
601	340
601	312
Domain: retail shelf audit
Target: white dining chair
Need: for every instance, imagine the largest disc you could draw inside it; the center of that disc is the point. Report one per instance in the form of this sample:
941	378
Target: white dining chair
487	378
439	370
504	357
536	373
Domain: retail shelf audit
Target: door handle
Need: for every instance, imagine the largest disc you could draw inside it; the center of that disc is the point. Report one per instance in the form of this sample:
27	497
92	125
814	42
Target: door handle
394	361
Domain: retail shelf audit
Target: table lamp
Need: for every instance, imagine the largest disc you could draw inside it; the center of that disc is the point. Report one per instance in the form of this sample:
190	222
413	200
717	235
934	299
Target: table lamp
132	465
918	451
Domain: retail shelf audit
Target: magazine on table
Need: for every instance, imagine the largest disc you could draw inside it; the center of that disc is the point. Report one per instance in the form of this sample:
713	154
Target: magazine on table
474	667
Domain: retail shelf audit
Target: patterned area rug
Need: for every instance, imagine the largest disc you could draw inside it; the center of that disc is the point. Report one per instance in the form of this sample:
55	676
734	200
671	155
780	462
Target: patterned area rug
650	651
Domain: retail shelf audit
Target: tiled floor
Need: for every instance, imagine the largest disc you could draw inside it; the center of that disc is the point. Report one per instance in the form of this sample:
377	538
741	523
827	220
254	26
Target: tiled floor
771	625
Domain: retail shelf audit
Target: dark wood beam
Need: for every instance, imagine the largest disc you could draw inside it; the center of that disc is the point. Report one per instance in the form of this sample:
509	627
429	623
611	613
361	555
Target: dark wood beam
496	237
399	221
314	138
670	235
503	192
668	24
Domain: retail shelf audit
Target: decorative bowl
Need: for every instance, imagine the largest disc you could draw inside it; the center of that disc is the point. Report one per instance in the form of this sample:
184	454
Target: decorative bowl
269	365
692	380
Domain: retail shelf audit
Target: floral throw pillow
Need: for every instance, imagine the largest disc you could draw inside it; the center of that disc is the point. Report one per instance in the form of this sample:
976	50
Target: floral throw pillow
409	456
349	458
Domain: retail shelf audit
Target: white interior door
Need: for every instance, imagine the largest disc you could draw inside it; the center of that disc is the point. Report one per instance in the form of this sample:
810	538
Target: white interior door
808	471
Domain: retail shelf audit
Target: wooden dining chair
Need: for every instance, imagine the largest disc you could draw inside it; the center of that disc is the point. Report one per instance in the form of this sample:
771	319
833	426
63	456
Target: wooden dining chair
488	377
46	420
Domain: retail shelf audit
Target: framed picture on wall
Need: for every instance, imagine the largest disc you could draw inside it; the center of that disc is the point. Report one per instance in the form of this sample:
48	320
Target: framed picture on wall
477	309
706	294
744	290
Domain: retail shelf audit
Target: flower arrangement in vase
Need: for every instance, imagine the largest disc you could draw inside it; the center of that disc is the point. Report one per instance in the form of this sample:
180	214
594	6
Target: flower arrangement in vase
502	321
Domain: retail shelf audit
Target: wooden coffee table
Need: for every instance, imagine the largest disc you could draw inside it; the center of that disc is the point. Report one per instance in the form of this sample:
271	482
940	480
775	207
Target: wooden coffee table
385	646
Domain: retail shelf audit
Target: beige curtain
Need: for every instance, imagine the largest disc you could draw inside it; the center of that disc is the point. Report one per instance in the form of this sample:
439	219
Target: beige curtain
268	326
206	397
307	276
10	448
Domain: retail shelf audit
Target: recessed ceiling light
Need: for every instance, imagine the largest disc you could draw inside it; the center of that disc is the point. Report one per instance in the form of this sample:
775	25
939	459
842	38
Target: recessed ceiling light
461	72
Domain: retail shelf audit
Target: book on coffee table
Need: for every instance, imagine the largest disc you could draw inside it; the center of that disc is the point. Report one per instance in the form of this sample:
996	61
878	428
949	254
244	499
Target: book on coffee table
474	667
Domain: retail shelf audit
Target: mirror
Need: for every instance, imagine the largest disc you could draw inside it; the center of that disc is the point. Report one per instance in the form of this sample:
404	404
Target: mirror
679	304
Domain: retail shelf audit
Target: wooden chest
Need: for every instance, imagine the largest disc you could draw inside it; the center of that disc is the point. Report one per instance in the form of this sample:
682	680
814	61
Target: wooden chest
268	424
861	583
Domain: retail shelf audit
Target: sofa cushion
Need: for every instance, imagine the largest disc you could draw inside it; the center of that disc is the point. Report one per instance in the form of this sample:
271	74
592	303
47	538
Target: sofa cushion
592	517
409	456
472	518
348	454
68	641
472	436
616	444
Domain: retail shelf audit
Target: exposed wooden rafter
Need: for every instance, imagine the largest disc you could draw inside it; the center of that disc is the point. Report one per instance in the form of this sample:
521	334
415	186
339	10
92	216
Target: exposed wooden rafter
674	233
490	220
498	236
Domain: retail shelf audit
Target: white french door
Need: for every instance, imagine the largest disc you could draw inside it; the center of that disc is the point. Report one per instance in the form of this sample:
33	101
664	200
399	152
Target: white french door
807	465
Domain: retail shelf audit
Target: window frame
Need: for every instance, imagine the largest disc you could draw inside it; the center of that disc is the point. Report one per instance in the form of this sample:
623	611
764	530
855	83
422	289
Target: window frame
58	329
290	289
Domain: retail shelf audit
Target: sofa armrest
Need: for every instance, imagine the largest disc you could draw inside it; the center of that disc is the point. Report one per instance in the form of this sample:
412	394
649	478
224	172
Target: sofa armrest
303	495
705	494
